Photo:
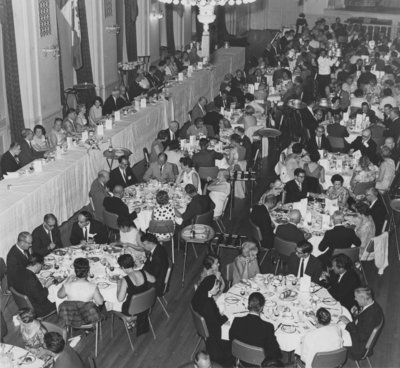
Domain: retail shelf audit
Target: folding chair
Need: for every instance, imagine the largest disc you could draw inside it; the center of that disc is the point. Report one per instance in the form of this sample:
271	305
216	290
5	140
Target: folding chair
371	343
253	355
201	329
166	283
166	227
257	236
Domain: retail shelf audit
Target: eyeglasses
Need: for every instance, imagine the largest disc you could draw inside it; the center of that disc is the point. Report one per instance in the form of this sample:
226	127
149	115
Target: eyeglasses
301	176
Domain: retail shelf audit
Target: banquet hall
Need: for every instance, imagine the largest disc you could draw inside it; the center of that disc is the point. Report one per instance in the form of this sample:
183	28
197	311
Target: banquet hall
199	183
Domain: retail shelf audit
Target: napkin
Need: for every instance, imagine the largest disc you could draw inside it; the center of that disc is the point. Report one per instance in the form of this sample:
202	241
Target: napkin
108	124
117	115
305	284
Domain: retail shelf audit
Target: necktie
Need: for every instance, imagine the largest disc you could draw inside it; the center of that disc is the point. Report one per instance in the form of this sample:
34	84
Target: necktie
301	273
85	233
319	142
161	170
172	136
124	175
50	235
299	186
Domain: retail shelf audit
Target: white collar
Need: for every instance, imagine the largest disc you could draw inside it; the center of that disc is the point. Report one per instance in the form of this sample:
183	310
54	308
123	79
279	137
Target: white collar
367	306
370	206
20	248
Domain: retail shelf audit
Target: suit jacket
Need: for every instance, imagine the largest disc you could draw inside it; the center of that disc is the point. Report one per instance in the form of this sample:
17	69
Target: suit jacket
28	154
136	90
252	330
198	205
29	285
117	179
369	151
16	264
313	269
98	192
68	358
110	105
293	193
360	329
117	206
212	118
261	217
167	174
289	232
378	213
206	158
41	240
337	130
219	102
96	227
313	146
343	290
197	112
309	121
154	80
157	265
9	163
246	143
169	140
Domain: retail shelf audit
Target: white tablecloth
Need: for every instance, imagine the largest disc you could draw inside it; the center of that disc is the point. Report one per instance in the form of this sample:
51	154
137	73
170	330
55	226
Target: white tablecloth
295	315
16	355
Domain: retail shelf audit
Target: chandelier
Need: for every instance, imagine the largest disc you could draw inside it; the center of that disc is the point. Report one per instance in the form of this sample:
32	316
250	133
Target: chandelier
202	3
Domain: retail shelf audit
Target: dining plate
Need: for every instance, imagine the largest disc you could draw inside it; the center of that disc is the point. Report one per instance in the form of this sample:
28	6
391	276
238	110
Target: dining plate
47	266
25	360
103	285
270	303
60	252
288	329
113	278
45	274
329	301
231	300
94	259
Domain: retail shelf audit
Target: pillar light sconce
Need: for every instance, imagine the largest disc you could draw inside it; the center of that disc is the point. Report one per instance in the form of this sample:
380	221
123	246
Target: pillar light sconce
114	29
156	15
53	50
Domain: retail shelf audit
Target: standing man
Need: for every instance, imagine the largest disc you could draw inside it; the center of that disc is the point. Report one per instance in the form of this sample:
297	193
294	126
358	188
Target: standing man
324	71
17	257
99	191
46	237
377	209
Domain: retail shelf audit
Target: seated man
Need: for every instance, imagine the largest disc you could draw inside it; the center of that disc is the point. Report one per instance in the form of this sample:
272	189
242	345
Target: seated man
198	205
87	230
197	128
252	330
157	263
113	102
99	191
340	237
28	284
173	133
223	100
326	337
344	281
261	217
296	189
249	101
368	316
319	141
377	209
9	160
63	355
47	236
17	257
115	204
290	231
161	170
302	262
205	157
199	110
122	175
365	145
336	129
28	153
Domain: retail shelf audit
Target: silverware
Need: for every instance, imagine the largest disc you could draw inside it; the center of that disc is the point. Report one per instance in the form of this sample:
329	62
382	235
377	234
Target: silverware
279	326
12	347
315	291
230	292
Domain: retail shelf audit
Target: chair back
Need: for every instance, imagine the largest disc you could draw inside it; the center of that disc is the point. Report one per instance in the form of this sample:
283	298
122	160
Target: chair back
283	247
253	355
208	171
199	324
110	220
337	144
373	338
91	203
210	130
229	273
22	301
161	227
205	218
142	302
92	362
3	273
330	359
360	188
255	231
352	253
51	327
146	157
167	276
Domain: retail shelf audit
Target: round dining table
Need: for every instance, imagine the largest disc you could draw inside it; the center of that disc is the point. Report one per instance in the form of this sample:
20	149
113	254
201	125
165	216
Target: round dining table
292	316
13	356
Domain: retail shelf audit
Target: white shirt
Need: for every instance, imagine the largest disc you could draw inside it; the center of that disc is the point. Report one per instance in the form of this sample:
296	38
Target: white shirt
123	174
305	263
324	65
340	277
370	206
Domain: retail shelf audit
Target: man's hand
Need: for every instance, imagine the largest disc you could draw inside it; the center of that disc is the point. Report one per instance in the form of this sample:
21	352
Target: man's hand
52	246
344	320
307	236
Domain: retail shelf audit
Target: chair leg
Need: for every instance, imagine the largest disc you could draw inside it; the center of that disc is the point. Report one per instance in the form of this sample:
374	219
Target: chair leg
165	300
264	256
277	265
163	307
365	276
369	362
151	326
358	365
173	248
194	250
195	348
96	336
129	336
112	325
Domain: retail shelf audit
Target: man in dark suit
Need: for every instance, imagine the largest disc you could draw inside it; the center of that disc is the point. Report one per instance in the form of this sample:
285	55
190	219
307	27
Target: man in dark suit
365	145
99	191
271	54
46	237
28	284
157	261
122	175
198	205
213	117
370	114
260	216
302	262
257	77
377	209
296	189
393	127
161	170
63	355
17	257
87	230
173	133
340	237
319	141
113	103
246	143
199	110
28	154
223	100
344	281
115	204
290	231
368	316
154	79
205	157
336	129
9	160
308	118
252	330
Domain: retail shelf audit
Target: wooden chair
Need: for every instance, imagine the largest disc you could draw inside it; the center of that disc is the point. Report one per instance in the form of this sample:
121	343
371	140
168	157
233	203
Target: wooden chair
110	220
201	329
51	327
253	355
361	188
229	273
284	249
138	304
164	227
166	283
257	236
337	144
329	359
371	343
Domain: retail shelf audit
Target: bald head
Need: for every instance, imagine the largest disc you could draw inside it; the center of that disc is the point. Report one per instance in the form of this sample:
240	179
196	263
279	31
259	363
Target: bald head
118	191
366	134
294	216
103	176
389	142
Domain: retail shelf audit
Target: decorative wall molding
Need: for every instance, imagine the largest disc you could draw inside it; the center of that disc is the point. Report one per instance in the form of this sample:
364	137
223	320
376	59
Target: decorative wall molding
108	8
44	18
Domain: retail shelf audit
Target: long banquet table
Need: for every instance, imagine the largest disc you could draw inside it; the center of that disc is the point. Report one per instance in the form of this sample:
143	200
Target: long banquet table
63	185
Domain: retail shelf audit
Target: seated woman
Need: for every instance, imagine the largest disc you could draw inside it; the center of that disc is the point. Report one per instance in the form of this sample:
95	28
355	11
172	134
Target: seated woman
225	129
364	173
275	190
211	267
135	282
39	141
81	122
219	192
387	171
188	175
245	264
338	191
129	236
78	288
96	111
313	168
157	146
203	303
248	119
365	228
198	129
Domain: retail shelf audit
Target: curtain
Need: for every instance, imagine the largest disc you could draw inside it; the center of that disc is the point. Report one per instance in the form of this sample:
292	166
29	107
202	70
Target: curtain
14	104
60	72
131	13
120	37
169	20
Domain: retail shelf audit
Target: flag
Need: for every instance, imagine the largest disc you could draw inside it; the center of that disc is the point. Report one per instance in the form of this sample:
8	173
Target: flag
70	11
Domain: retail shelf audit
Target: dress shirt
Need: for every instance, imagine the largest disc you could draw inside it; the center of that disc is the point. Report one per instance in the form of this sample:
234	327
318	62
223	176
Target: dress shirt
299	185
171	135
340	277
24	252
305	263
48	233
324	65
123	174
319	141
372	204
